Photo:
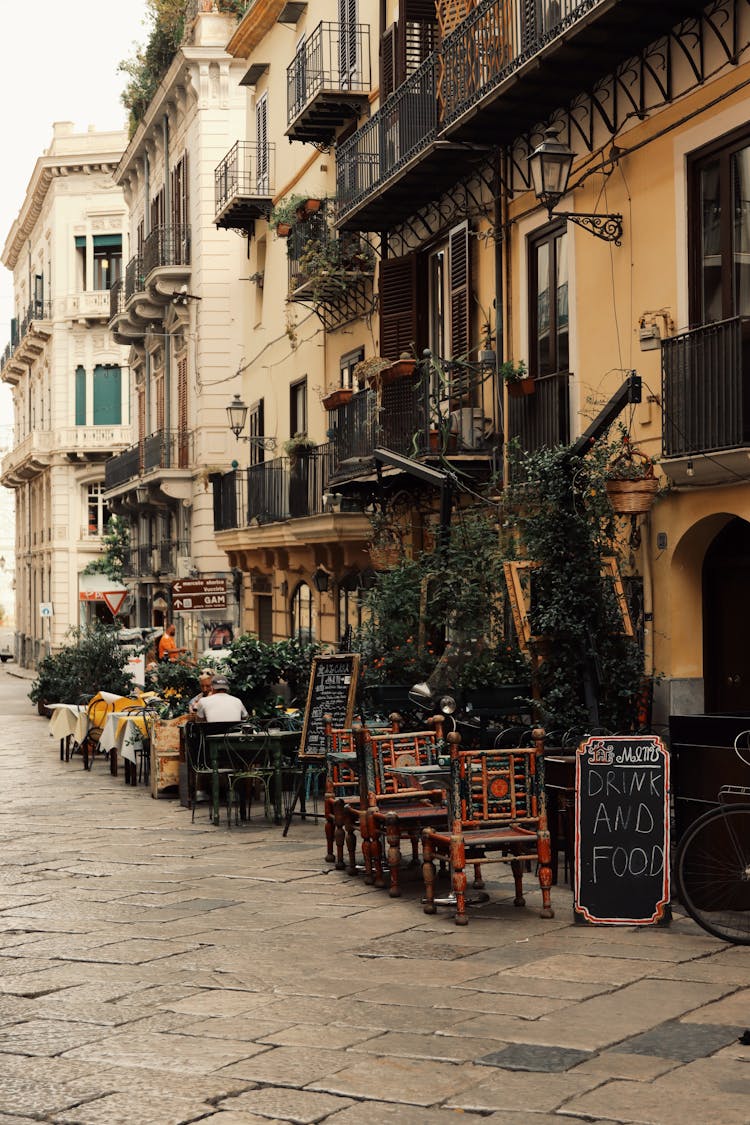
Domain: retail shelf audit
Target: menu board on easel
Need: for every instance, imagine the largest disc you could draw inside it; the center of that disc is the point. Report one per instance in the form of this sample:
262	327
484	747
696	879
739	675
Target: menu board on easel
332	691
622	830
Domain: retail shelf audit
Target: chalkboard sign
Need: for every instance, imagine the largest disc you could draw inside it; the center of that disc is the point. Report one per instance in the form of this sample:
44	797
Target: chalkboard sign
333	687
622	830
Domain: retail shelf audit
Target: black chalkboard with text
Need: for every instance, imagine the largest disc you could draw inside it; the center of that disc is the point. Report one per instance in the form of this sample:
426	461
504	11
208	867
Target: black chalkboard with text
332	691
622	830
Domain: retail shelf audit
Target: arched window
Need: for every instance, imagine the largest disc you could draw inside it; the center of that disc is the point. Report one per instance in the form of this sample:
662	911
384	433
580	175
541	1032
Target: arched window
302	613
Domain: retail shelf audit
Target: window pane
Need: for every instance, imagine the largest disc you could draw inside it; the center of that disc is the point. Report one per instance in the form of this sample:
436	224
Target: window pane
741	239
563	351
544	363
710	218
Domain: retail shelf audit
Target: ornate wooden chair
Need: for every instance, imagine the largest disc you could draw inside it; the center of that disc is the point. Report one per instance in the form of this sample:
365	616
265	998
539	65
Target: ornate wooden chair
342	792
498	814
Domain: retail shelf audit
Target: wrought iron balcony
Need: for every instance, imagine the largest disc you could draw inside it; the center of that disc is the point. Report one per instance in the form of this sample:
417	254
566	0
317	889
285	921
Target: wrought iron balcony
328	81
122	468
333	275
542	420
134	277
117	298
281	489
706	389
510	63
244	186
167	449
166	246
369	165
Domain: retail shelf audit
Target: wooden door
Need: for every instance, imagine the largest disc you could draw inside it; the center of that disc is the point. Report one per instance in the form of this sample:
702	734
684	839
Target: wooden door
726	621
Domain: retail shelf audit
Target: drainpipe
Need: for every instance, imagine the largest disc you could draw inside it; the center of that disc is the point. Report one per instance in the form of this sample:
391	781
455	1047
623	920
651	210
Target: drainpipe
147	196
503	311
167	340
167	184
648	598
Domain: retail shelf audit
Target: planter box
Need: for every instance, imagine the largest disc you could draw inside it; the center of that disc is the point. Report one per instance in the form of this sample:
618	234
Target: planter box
340	397
521	388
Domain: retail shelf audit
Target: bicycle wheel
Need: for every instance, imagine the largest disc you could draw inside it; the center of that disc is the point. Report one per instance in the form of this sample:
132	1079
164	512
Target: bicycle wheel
713	872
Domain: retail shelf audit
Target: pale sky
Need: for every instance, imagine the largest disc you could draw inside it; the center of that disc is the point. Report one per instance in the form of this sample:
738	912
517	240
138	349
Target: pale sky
58	62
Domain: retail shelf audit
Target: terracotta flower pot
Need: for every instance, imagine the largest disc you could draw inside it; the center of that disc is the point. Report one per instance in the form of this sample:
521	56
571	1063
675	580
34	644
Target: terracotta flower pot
309	207
521	387
340	397
443	443
399	369
283	230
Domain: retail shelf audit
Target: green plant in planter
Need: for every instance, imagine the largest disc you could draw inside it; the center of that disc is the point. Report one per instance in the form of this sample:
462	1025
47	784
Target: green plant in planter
92	660
255	668
175	682
298	446
513	372
285	210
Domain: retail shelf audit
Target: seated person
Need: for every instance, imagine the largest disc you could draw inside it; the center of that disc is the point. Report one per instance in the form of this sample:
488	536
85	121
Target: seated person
205	679
220	706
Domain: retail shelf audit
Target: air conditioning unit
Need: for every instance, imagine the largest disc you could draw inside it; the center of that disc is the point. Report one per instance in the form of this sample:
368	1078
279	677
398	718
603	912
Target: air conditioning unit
185	566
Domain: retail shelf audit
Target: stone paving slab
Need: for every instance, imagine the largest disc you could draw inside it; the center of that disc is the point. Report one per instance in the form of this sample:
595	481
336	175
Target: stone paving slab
232	1118
682	1041
46	1037
516	1090
400	1080
383	1113
443	1048
298	1106
289	1066
318	1035
185	1054
125	1109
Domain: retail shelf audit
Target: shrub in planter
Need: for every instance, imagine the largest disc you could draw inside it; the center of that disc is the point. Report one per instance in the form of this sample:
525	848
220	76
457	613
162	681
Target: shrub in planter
91	661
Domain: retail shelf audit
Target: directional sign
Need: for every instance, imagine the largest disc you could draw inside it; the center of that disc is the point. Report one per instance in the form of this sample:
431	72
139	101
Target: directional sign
192	594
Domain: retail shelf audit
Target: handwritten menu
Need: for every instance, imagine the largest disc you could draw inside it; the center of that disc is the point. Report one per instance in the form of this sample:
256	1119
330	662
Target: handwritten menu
622	830
332	691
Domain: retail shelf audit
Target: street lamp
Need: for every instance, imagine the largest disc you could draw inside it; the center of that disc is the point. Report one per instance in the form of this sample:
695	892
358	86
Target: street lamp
549	165
320	580
237	416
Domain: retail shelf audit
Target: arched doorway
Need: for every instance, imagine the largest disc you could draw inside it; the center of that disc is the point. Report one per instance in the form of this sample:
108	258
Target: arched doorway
726	620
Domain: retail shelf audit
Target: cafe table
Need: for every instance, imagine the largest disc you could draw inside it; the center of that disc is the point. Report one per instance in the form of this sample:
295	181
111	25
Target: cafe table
69	720
266	750
126	734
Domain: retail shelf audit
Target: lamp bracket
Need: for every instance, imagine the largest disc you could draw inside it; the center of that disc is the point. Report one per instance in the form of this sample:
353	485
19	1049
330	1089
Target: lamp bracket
606	227
268	443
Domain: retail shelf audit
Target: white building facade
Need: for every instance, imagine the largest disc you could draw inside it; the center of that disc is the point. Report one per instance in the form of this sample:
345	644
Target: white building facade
70	391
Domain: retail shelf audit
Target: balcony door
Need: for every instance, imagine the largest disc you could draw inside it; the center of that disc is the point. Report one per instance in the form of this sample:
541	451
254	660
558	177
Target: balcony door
719	208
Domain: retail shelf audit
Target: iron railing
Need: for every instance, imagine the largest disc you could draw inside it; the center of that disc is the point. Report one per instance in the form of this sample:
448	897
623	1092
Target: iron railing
36	310
497	38
334	57
246	172
166	246
705	397
116	298
281	489
404	126
542	420
167	449
122	468
134	277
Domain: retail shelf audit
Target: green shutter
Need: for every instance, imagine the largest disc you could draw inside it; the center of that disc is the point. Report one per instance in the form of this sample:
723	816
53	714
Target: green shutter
80	242
80	396
107	396
108	242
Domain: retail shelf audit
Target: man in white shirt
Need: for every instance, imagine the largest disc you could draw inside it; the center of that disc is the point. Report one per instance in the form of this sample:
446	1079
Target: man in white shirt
220	706
206	683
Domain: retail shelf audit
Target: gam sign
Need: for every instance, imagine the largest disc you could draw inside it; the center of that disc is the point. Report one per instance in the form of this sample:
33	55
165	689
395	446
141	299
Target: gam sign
192	594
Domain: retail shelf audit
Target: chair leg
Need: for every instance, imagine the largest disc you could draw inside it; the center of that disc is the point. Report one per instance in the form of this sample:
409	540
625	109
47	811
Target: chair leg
458	863
328	825
351	843
544	856
516	866
428	873
393	836
364	835
339	814
376	851
478	880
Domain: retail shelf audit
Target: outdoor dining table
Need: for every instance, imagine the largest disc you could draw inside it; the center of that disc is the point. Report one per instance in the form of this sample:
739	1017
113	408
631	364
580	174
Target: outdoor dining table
126	735
69	720
272	746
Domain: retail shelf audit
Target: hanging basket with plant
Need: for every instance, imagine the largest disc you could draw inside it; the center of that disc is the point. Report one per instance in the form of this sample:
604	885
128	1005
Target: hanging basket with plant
631	484
517	378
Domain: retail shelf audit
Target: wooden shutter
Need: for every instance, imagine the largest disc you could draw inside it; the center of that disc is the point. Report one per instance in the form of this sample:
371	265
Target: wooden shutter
159	396
261	134
399	320
80	396
530	23
460	290
182	413
388	61
141	406
347	39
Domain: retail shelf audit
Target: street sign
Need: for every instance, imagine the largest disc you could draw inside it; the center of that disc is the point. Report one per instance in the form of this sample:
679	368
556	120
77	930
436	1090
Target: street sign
113	599
192	594
45	609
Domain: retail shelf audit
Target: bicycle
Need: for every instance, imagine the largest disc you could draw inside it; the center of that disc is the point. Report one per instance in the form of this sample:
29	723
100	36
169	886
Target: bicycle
712	866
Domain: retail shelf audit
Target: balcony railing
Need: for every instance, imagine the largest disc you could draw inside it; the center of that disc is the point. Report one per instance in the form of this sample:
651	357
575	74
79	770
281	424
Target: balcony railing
331	69
167	450
134	278
126	466
36	310
542	420
274	491
246	172
705	391
404	125
166	246
117	298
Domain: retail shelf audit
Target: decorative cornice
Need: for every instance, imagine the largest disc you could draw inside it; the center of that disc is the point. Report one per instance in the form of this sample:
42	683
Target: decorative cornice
47	169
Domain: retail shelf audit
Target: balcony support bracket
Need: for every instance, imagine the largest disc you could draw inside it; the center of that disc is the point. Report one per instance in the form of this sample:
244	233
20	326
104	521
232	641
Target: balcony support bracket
606	227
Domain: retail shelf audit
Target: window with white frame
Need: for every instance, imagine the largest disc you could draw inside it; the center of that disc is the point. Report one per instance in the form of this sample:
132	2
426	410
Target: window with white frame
97	509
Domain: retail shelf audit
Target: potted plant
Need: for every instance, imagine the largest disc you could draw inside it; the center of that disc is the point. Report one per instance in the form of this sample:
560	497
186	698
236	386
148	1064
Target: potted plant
307	206
298	447
517	378
630	482
284	214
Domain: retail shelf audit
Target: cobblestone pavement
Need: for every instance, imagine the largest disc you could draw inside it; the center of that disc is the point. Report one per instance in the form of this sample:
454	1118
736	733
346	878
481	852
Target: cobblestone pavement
159	972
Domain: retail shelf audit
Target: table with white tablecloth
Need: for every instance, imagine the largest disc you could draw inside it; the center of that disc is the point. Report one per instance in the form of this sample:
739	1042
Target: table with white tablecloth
69	723
126	734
